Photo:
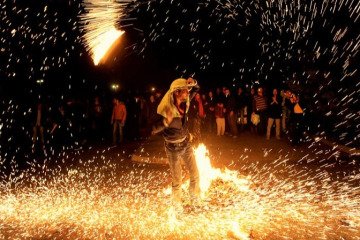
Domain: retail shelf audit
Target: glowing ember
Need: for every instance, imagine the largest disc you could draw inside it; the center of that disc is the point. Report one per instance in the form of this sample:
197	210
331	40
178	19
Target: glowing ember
99	200
208	173
99	25
103	42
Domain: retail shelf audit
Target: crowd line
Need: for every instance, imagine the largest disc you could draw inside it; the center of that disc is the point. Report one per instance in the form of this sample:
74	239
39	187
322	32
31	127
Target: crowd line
221	111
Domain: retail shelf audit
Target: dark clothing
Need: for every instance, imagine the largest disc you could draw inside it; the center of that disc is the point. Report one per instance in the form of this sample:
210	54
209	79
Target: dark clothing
229	104
219	112
177	147
296	125
241	101
260	107
274	109
179	127
209	107
196	114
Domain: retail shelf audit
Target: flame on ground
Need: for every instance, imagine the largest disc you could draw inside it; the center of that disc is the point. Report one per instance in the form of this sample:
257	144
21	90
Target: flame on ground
95	201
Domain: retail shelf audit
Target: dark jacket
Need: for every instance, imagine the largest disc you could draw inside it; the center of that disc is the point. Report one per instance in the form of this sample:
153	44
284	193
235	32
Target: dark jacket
179	128
274	109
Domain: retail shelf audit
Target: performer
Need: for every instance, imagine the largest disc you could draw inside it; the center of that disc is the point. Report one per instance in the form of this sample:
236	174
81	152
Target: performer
173	108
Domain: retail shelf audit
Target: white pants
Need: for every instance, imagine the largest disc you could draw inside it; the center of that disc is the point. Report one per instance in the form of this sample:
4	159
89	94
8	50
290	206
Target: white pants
220	123
277	127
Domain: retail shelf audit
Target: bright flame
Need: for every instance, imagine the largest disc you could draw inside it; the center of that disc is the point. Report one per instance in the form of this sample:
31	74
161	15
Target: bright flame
207	173
99	21
103	42
88	202
237	233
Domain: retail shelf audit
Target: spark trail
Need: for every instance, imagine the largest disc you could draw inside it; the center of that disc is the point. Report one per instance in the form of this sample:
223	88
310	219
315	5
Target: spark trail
94	201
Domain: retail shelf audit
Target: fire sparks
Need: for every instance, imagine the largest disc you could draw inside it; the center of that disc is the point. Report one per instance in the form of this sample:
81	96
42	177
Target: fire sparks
99	25
97	202
103	43
208	174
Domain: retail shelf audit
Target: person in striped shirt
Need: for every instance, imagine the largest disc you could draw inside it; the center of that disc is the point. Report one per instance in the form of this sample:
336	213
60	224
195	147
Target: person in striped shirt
260	107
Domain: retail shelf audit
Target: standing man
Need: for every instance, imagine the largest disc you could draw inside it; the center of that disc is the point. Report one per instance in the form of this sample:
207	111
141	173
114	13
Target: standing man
118	119
274	113
230	113
260	107
38	118
173	108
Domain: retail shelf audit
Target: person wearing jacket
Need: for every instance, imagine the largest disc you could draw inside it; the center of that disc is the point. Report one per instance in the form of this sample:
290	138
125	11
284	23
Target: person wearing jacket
118	119
173	108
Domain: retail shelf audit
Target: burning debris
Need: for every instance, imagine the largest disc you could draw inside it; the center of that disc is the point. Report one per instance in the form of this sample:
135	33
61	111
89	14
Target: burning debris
95	202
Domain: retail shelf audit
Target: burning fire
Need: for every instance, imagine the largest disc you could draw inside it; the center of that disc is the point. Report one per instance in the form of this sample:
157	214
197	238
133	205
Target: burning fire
102	43
99	21
100	200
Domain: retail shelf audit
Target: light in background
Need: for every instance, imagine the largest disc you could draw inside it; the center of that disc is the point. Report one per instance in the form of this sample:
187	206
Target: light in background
115	87
40	81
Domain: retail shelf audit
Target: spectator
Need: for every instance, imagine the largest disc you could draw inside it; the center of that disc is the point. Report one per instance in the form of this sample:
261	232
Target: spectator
118	119
196	115
296	120
152	116
97	118
285	107
230	113
209	107
241	108
260	107
220	118
274	113
250	101
39	119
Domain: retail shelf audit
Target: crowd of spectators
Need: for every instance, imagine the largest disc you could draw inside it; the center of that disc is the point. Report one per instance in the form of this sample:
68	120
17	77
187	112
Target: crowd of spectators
221	111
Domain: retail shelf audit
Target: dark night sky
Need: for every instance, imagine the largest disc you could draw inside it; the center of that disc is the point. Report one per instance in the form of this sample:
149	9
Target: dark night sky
311	47
220	44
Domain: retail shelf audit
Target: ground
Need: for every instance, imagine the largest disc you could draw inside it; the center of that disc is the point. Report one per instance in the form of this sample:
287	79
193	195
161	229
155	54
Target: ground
270	190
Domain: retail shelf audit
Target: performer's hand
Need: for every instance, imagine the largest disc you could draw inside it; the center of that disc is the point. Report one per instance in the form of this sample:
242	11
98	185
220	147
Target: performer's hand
190	81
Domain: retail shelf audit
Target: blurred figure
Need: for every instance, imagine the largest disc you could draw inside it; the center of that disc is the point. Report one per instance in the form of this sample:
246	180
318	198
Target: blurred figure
39	118
196	115
97	120
285	107
220	118
241	108
151	114
209	107
260	107
250	102
230	113
274	113
218	95
61	131
118	119
296	119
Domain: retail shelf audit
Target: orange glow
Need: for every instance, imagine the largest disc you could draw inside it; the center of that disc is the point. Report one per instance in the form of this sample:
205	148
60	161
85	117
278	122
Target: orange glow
208	173
102	43
88	202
